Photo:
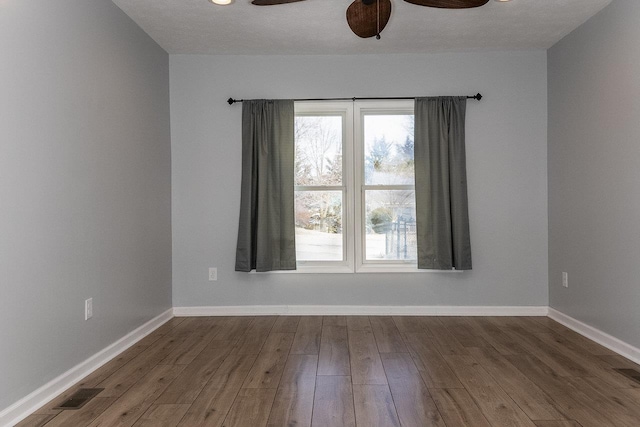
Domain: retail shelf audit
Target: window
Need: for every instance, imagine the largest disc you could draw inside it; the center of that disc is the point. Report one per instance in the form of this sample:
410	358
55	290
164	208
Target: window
354	186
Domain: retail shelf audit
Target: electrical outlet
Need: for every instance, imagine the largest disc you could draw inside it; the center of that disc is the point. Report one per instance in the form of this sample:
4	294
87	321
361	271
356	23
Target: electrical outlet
88	309
565	279
213	274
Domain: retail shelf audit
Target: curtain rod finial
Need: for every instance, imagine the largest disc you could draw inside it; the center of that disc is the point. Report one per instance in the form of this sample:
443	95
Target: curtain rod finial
231	101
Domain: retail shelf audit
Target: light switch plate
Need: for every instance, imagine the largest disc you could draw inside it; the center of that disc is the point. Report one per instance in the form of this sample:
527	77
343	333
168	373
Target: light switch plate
88	309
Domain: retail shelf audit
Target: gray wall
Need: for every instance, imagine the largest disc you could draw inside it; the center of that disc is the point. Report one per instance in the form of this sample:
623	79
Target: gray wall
594	172
507	158
84	185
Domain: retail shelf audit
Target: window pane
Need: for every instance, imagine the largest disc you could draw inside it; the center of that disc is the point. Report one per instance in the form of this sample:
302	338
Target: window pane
319	226
388	149
318	150
390	225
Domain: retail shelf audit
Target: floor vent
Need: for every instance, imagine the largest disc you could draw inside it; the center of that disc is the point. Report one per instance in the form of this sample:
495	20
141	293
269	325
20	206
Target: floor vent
80	398
630	373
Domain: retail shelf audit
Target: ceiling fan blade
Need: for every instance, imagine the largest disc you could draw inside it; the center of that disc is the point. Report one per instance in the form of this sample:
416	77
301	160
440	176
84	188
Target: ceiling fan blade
449	4
272	2
363	18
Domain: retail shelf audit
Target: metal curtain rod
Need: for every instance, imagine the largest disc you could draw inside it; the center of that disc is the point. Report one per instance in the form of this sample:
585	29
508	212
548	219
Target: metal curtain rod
233	101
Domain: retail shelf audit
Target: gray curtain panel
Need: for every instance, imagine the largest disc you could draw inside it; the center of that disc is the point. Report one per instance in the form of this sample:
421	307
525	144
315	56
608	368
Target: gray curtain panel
266	234
441	184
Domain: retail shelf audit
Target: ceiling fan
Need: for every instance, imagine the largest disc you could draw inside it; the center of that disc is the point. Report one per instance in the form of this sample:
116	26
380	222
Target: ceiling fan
367	18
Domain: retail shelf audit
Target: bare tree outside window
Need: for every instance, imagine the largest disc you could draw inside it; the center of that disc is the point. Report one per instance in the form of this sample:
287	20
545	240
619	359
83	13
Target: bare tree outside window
319	210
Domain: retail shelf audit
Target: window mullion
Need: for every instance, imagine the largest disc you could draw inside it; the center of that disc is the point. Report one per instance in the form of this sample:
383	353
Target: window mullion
348	179
358	171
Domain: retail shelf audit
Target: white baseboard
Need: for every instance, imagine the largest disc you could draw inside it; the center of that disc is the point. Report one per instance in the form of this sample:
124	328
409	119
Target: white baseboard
25	406
612	343
357	310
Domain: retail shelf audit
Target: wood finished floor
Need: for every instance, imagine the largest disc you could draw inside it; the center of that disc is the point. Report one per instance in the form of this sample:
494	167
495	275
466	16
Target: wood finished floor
358	371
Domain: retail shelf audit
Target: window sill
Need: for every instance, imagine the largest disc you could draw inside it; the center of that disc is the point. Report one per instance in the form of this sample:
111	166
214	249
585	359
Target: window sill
398	269
364	269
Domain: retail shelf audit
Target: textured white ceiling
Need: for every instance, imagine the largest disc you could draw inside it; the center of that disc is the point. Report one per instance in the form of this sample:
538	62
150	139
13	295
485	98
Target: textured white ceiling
320	27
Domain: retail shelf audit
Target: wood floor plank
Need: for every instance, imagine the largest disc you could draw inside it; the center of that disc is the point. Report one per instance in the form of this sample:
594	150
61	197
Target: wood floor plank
286	324
293	404
560	362
187	326
35	420
253	338
333	402
585	343
444	341
233	371
497	338
529	397
434	370
572	402
269	364
589	397
92	380
534	327
214	401
166	415
334	321
387	335
251	408
633	393
619	362
187	386
299	366
531	326
195	342
121	380
374	406
564	423
548	322
233	328
358	323
458	408
105	371
334	352
459	328
609	400
366	366
413	403
134	402
307	338
83	416
410	324
592	365
161	331
494	403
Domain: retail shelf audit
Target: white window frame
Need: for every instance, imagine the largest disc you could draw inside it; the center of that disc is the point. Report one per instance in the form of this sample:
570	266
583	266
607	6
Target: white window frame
344	109
353	187
362	108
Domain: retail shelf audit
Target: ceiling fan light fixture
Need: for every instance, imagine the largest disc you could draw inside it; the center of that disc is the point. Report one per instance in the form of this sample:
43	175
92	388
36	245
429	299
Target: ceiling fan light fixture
221	2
